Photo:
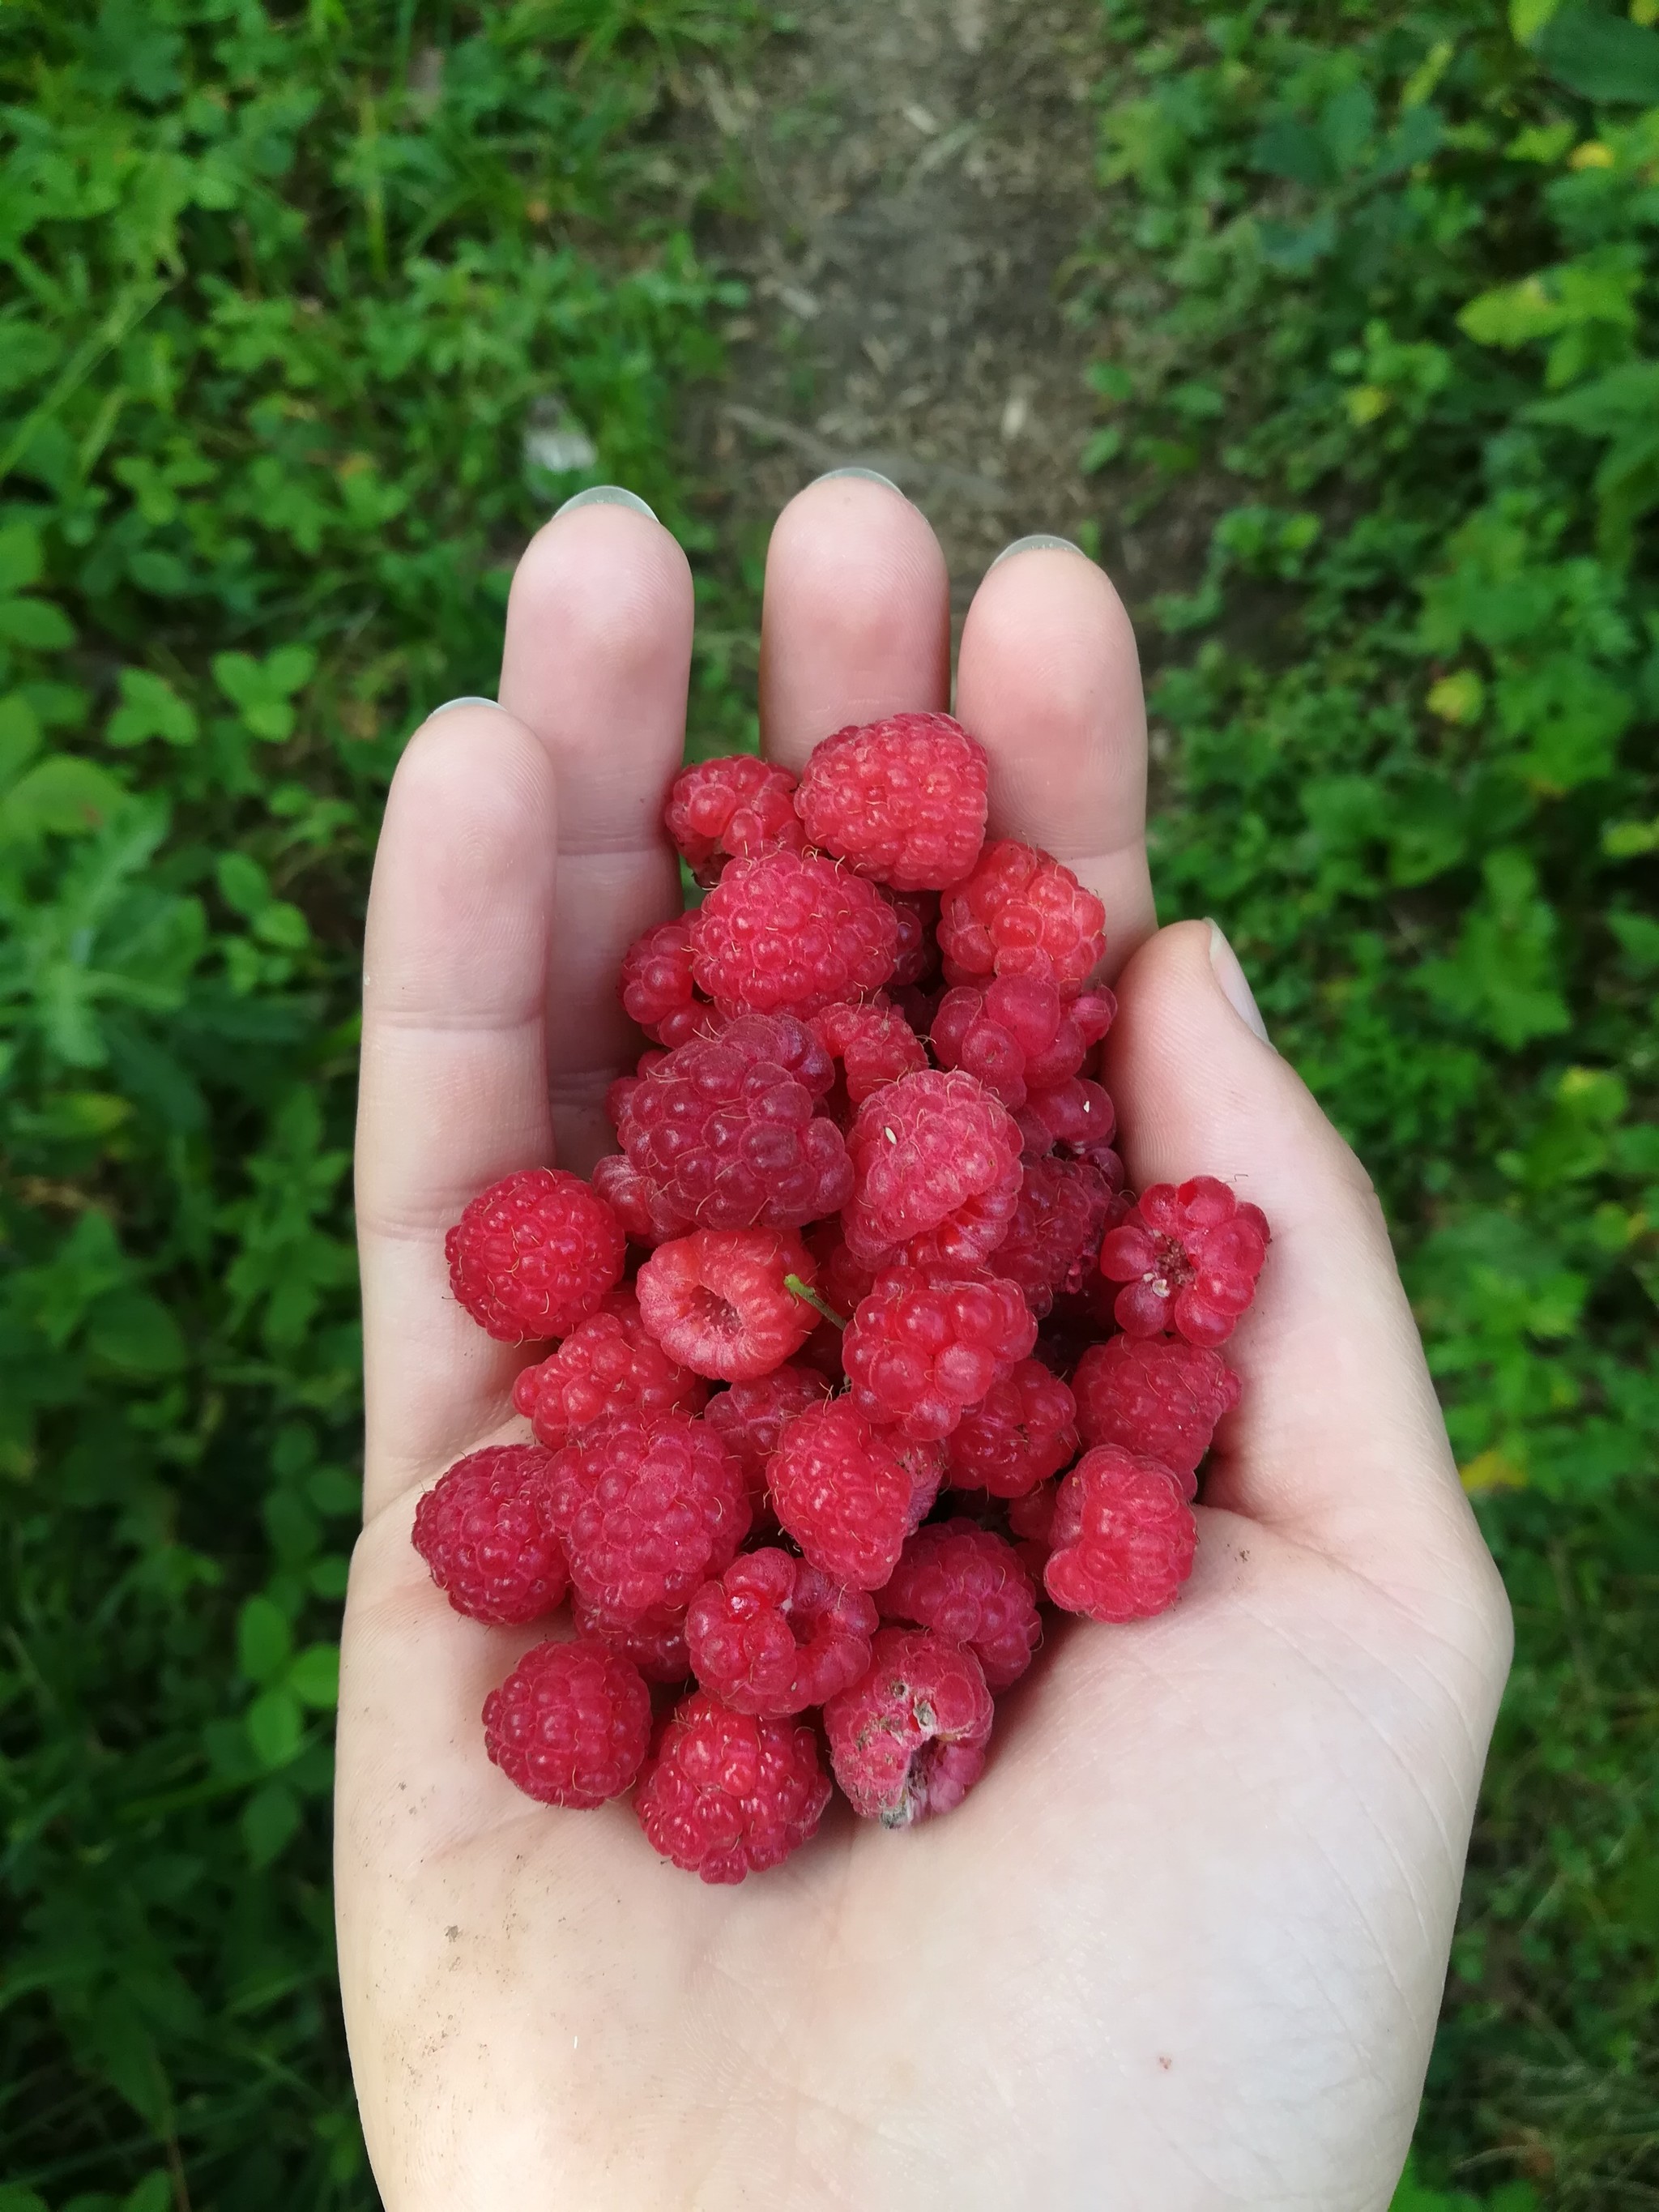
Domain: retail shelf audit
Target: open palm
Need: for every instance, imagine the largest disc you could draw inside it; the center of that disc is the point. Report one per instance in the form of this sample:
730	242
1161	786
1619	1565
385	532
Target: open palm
1183	1946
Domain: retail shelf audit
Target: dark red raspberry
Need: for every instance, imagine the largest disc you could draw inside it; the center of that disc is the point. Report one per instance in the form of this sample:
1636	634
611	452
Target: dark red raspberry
719	1302
725	1794
1077	1116
925	1345
646	1514
873	1043
656	984
839	1491
1123	1537
902	800
908	1739
1032	1519
609	1365
734	808
480	1531
533	1253
963	1581
749	1418
1023	1431
722	1133
791	933
656	1644
1021	913
1158	1396
1054	1243
773	1635
936	1167
843	1281
1189	1260
571	1724
918	952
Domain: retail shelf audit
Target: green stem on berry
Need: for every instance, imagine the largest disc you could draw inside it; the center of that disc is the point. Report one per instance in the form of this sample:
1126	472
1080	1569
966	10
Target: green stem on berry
798	1289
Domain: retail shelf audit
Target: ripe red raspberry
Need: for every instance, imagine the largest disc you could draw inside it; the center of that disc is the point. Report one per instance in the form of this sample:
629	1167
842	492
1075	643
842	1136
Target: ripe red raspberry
902	800
962	1582
791	933
718	1301
1077	1115
1021	913
873	1043
533	1253
773	1635
1031	1520
918	949
656	990
1158	1396
1055	1241
1082	1025
925	1345
839	1491
656	1644
646	1514
1023	1431
936	1170
737	807
750	1418
571	1724
1189	1259
480	1531
908	1739
722	1134
1123	1537
922	1459
1017	1034
608	1365
725	1794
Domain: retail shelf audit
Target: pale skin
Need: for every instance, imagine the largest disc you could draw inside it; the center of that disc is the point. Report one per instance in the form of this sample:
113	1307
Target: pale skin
1182	1949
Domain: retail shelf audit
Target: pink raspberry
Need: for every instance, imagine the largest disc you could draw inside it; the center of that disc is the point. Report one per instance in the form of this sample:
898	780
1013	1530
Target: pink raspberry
1158	1396
773	1635
750	1418
533	1253
1077	1115
1189	1259
936	1171
1023	1431
918	919
571	1724
608	1365
874	1044
725	1794
1021	913
962	1582
656	1644
656	983
901	800
722	1133
838	1488
719	1302
790	932
925	1345
646	1514
1123	1537
1055	1241
733	808
480	1531
908	1738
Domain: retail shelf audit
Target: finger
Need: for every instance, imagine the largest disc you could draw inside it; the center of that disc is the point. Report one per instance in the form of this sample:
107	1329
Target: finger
454	1069
1049	681
1337	1438
597	661
855	623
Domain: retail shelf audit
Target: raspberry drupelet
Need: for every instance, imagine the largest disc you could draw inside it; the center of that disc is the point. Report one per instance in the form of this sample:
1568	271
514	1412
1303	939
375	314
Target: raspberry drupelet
1122	1537
791	933
571	1724
1018	1034
917	959
655	1643
963	1581
1023	1431
908	1738
719	1302
936	1169
773	1635
925	1345
725	1794
481	1532
609	1365
534	1254
1159	1396
902	800
872	1043
1078	1117
656	990
646	1514
838	1488
750	1418
1053	1241
734	808
1187	1258
1021	913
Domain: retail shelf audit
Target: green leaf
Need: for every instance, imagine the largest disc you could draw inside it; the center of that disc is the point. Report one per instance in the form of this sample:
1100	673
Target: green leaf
264	1640
60	793
314	1677
36	625
1602	57
271	1820
1503	976
151	707
136	1333
21	561
276	1727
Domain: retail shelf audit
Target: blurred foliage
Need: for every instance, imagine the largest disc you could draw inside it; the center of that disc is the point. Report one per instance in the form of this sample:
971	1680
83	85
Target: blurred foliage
311	313
1375	284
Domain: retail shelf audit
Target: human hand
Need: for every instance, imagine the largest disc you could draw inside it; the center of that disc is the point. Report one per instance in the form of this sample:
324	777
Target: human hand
1182	1948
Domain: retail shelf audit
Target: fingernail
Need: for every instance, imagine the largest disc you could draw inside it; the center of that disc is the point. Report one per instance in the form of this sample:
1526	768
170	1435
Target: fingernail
870	475
1223	962
466	699
606	495
1040	543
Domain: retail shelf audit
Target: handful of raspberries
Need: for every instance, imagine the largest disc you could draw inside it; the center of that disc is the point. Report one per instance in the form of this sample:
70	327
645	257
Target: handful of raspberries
865	1241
